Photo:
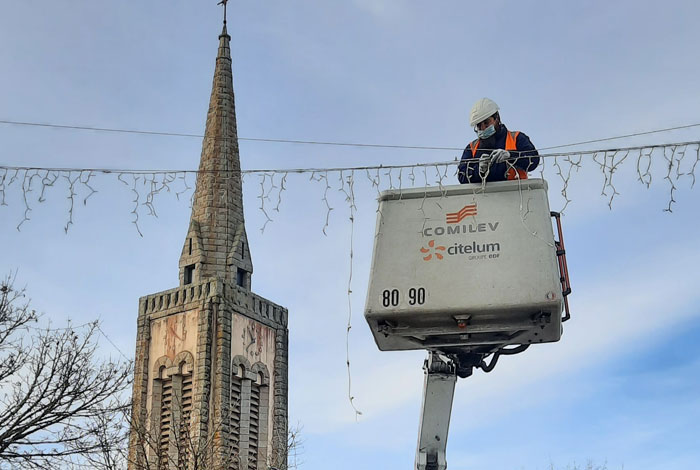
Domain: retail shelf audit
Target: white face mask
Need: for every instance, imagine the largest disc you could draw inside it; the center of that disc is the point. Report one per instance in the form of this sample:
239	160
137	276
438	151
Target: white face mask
486	133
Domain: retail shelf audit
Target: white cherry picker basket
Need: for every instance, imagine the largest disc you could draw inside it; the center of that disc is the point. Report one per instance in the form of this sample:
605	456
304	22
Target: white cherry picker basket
467	268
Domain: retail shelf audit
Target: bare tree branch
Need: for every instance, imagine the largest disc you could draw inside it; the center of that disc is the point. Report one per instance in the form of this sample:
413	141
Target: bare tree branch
58	399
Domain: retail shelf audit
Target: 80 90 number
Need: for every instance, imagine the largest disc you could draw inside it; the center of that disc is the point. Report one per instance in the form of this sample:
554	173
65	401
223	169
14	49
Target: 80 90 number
392	297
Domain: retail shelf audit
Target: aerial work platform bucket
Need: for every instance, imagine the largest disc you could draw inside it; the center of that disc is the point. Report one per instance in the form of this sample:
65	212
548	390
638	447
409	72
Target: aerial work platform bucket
467	268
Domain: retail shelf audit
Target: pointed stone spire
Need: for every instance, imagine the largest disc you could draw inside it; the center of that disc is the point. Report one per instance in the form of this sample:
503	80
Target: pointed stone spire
216	243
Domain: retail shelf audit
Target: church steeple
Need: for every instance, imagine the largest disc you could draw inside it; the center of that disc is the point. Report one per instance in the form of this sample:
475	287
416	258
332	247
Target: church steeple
211	359
216	244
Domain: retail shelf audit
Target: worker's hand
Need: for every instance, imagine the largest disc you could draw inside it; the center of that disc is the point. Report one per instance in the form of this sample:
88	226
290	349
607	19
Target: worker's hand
484	164
499	156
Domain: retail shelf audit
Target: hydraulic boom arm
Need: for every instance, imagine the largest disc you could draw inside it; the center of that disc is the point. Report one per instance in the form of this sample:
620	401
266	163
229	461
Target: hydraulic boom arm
438	392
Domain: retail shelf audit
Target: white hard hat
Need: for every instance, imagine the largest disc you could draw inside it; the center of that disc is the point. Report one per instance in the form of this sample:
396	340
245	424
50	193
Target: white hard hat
482	109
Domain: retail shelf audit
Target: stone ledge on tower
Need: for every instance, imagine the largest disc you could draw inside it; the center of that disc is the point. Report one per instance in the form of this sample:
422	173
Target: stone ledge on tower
242	301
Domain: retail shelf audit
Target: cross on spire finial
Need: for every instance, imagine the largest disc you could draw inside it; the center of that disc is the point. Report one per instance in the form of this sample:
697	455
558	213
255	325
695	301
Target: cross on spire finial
224	2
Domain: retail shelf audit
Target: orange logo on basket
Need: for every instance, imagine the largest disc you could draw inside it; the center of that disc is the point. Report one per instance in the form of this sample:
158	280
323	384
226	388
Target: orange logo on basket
432	246
457	217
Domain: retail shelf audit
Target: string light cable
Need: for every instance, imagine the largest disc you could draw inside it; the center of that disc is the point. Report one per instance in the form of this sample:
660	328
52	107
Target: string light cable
139	171
318	142
676	160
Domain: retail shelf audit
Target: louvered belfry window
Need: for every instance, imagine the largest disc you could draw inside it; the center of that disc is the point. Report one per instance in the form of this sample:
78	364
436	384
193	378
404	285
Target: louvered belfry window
254	426
165	421
235	421
185	444
249	414
170	434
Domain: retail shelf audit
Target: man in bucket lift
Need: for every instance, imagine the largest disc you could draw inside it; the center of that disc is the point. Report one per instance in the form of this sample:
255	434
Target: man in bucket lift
497	154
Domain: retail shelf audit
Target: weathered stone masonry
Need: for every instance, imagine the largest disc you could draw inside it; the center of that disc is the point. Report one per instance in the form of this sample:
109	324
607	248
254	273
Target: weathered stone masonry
211	368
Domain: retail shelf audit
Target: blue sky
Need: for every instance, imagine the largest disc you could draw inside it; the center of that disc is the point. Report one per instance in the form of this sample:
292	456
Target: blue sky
621	386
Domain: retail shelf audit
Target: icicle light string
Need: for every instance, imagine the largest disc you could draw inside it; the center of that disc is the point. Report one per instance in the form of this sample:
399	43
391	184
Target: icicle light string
347	187
146	185
679	161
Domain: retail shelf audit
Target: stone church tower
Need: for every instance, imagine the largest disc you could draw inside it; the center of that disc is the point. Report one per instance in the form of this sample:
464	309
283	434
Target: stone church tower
210	379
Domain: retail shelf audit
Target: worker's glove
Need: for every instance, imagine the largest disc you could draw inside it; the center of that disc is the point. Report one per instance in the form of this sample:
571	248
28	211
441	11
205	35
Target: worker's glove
484	164
499	156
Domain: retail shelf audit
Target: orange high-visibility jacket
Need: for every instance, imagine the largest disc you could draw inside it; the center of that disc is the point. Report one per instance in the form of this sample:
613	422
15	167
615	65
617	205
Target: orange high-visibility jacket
516	142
